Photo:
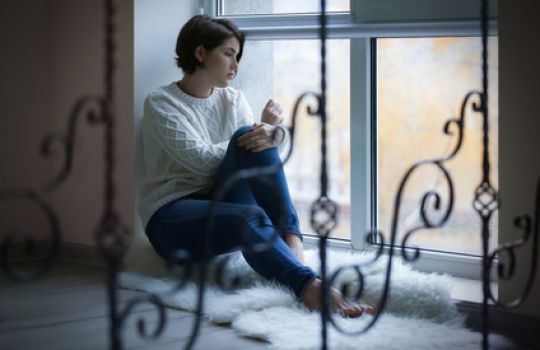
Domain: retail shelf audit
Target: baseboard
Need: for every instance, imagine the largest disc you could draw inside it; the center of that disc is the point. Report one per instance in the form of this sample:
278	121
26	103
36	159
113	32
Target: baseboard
68	252
76	253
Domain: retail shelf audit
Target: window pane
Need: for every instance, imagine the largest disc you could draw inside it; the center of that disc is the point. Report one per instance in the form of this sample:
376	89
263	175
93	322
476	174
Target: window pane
268	7
283	70
421	83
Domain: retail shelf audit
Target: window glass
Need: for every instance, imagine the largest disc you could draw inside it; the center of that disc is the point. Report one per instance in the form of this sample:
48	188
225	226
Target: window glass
283	70
421	83
267	7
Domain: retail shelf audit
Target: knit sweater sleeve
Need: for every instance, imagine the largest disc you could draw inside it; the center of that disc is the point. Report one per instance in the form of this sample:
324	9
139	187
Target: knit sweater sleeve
180	140
244	113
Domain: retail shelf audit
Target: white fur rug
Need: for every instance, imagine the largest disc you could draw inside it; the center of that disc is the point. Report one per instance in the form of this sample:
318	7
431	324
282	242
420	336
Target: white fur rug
419	313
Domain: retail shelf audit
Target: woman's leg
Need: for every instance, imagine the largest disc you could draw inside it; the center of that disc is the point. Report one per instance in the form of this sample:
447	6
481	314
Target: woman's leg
181	225
272	195
270	192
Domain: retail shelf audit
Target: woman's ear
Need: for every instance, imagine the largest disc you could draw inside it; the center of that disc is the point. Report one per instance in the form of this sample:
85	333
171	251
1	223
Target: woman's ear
200	53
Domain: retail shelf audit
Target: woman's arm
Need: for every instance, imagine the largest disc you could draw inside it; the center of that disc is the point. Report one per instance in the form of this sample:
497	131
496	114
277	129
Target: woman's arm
261	137
180	140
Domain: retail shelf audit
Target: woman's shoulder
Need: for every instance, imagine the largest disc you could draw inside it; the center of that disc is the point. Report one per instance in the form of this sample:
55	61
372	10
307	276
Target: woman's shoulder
162	92
161	100
230	94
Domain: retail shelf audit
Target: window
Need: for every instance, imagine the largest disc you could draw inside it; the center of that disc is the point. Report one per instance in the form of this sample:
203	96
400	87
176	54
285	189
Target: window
372	139
421	83
266	7
292	67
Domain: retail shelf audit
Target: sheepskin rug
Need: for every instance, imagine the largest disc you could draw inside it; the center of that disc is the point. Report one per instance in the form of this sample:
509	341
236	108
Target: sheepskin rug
419	313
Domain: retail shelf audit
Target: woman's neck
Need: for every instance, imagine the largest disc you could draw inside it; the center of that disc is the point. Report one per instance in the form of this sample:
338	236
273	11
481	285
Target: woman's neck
194	85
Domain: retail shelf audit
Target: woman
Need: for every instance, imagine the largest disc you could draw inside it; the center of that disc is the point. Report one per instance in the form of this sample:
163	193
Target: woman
198	131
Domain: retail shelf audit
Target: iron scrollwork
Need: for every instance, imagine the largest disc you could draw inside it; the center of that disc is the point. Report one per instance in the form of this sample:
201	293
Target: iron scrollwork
485	203
113	237
85	106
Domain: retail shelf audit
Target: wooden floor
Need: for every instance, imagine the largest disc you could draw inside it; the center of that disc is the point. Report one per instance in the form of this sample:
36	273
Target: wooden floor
67	309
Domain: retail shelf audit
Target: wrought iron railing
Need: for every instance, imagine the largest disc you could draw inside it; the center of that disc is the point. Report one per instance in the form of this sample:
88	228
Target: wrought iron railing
113	238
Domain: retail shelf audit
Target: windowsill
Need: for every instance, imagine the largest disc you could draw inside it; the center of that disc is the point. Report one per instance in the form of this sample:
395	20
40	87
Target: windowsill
469	291
462	268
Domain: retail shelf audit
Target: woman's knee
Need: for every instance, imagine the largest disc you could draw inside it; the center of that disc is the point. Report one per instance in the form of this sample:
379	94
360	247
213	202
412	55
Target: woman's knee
254	215
256	220
243	130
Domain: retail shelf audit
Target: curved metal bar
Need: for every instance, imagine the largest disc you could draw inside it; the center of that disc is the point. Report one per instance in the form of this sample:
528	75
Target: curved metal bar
195	328
112	237
35	194
67	140
507	272
181	266
427	223
485	210
241	175
153	299
9	266
235	281
247	246
345	289
379	237
431	197
323	216
310	111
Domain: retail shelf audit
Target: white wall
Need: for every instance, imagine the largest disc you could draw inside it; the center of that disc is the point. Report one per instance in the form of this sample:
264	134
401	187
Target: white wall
156	27
519	127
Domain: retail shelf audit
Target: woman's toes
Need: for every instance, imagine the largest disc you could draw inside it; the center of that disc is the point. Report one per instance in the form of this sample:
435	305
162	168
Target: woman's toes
350	310
358	310
369	309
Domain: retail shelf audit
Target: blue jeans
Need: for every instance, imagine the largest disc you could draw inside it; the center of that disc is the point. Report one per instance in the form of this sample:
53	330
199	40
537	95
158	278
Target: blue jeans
250	211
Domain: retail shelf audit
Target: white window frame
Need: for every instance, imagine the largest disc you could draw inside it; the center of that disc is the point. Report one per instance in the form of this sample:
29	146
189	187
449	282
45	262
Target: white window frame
341	25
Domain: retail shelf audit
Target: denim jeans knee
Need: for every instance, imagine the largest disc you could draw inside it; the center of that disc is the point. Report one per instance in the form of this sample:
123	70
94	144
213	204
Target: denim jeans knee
241	131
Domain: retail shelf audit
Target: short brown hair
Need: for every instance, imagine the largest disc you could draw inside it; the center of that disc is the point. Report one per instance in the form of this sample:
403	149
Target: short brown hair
205	31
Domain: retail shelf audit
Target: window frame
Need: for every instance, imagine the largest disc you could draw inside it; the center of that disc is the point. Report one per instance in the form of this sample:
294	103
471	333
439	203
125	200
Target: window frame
362	35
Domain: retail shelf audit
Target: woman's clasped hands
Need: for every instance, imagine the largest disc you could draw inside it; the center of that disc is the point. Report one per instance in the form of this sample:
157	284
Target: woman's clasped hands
260	137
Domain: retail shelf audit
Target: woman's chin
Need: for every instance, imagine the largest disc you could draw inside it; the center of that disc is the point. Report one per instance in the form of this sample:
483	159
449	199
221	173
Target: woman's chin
222	84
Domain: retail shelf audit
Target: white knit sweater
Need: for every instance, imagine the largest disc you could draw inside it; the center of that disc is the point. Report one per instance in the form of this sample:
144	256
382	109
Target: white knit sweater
184	140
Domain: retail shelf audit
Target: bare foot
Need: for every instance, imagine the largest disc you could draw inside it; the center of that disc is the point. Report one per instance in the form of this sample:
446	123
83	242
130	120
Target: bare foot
296	246
338	303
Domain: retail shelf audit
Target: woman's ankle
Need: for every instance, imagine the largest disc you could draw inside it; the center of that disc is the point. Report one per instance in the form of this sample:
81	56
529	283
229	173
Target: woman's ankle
295	245
312	293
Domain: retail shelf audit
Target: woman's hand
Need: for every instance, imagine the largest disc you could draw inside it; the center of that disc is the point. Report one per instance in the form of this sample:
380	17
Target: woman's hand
271	113
260	137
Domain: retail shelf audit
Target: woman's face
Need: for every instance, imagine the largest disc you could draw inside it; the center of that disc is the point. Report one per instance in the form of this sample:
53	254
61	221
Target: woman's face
220	65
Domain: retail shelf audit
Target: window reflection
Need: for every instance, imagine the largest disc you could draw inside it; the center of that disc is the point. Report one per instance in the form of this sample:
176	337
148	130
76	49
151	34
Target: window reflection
295	69
421	83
